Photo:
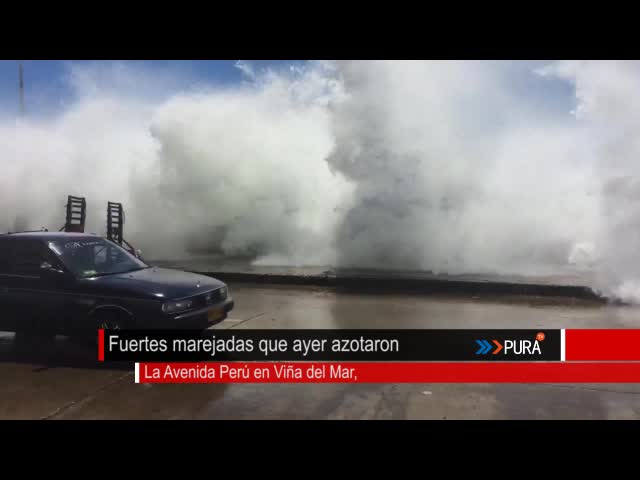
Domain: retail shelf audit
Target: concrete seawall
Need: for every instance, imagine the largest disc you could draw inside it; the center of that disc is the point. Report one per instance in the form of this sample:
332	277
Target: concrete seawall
572	286
414	285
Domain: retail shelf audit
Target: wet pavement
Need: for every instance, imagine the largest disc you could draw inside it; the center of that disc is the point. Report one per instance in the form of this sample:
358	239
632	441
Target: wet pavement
65	382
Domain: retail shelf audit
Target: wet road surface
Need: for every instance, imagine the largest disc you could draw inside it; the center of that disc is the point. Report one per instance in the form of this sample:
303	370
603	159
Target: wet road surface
65	381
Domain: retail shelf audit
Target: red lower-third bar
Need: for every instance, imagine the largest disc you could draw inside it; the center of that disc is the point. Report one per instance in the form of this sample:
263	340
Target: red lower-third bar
396	372
602	345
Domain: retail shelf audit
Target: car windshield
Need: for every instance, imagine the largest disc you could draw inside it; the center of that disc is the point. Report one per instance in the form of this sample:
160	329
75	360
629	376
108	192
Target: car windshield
94	257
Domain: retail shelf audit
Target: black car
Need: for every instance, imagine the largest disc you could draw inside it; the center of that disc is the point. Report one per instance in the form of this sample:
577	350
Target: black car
74	283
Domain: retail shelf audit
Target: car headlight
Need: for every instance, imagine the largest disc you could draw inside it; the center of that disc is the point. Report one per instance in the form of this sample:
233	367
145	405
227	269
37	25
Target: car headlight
177	306
224	291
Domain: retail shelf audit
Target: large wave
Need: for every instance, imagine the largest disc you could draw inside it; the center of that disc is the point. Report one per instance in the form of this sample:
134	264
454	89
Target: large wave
446	166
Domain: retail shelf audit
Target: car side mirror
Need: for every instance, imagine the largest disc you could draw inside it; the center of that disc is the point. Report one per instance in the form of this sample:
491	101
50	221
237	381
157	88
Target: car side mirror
139	254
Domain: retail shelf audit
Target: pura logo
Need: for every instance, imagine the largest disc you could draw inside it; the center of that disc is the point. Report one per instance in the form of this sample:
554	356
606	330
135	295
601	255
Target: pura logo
485	347
513	347
524	347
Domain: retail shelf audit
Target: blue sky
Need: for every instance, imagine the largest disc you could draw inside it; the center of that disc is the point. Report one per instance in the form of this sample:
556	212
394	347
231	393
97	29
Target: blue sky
46	88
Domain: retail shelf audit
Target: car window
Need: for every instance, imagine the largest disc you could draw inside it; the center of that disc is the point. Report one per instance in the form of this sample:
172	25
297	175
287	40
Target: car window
105	255
90	257
4	256
26	258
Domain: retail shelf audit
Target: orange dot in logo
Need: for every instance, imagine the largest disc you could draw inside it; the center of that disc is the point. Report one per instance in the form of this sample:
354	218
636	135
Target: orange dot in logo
540	336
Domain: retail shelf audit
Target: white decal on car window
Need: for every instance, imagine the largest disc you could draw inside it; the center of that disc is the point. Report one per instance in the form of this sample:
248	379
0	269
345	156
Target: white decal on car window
88	243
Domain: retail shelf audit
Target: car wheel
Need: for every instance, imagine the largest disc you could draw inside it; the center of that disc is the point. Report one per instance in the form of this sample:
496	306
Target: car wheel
110	321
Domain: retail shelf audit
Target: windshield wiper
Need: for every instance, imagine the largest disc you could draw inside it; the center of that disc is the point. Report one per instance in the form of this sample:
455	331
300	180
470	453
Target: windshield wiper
101	274
137	269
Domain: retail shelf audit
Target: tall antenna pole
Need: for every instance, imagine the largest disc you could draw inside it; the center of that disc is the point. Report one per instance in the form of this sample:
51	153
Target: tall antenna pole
21	88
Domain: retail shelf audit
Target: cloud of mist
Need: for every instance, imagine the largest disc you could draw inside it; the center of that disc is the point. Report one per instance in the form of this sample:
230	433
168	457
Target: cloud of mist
445	166
608	105
242	171
92	149
456	172
238	171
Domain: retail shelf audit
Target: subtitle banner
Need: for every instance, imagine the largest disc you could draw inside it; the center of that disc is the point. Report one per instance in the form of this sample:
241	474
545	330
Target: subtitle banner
377	356
331	345
388	372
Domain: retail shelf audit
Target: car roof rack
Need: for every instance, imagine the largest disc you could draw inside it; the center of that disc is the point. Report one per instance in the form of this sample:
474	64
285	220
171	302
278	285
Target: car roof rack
76	214
115	226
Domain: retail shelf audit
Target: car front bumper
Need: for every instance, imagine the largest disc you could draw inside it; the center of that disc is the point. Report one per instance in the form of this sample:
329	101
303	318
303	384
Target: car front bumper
204	317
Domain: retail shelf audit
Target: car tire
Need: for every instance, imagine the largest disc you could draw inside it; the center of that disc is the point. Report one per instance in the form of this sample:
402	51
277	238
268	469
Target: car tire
111	320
